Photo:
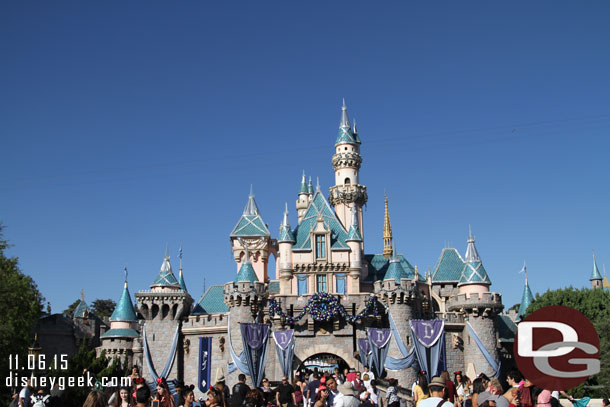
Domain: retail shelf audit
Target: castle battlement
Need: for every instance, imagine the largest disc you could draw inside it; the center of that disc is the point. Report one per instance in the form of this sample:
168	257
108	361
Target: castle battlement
468	301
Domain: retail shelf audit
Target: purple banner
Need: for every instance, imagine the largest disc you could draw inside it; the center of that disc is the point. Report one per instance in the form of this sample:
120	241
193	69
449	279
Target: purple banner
256	334
363	346
379	336
283	338
427	332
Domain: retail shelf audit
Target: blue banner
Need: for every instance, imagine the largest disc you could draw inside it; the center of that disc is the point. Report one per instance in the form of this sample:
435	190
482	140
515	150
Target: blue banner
205	363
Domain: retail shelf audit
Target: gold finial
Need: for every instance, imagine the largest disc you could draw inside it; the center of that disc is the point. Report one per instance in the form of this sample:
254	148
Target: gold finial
387	232
416	273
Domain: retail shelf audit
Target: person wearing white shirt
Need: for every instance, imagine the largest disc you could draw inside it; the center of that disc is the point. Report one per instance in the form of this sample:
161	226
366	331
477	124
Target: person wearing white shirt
436	389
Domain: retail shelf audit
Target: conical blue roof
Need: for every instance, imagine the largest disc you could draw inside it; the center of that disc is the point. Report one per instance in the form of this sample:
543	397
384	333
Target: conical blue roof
251	223
354	231
303	189
166	276
526	300
246	273
473	272
320	208
285	232
80	310
181	282
395	271
346	134
124	308
595	275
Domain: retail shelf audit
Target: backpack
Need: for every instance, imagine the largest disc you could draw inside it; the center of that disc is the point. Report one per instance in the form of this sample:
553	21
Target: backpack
298	396
40	400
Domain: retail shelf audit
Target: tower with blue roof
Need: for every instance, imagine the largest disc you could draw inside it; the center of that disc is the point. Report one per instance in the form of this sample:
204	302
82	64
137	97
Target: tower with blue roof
597	281
480	307
119	340
163	309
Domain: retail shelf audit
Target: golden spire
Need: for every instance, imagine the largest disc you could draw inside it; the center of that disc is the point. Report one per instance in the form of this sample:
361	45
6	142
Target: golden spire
387	233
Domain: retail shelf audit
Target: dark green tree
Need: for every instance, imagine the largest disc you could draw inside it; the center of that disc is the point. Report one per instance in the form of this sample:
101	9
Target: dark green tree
595	305
20	307
103	308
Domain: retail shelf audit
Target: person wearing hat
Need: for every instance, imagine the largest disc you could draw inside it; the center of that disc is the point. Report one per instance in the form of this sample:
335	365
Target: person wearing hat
436	390
347	396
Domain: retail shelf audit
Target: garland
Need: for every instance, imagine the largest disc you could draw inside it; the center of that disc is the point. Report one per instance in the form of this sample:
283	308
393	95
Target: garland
324	307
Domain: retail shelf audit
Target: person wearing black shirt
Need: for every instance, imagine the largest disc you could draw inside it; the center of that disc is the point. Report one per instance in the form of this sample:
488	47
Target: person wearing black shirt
239	391
284	395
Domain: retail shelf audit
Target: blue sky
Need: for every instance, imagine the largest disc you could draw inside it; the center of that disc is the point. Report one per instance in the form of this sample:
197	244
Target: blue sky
129	125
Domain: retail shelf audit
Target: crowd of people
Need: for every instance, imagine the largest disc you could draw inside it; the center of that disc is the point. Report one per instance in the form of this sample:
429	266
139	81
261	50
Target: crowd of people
325	389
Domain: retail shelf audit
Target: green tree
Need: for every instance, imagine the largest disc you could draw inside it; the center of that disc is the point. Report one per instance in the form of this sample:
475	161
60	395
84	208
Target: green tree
103	308
20	306
595	305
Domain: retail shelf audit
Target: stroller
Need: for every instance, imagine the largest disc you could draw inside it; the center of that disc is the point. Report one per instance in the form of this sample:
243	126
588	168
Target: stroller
581	402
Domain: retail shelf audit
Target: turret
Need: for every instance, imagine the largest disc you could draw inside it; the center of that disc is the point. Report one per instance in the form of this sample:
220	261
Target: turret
181	281
285	242
118	341
596	277
252	233
304	198
354	241
347	191
479	307
398	292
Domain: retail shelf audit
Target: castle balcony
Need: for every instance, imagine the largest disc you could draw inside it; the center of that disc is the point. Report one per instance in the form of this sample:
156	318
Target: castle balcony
450	317
347	194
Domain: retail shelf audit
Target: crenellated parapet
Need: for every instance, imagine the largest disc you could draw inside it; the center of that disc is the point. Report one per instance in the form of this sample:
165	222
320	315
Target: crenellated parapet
348	194
172	305
393	292
346	160
245	293
482	303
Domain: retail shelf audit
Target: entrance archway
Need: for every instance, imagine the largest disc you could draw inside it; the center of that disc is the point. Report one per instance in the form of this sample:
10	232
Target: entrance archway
324	362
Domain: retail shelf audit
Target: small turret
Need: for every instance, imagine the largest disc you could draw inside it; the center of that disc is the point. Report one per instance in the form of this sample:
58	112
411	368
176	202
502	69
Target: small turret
165	281
310	189
304	198
285	242
354	241
596	277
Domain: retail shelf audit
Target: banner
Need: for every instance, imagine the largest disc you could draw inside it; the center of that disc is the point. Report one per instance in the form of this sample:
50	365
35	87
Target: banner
429	343
284	345
205	363
365	352
408	356
378	339
254	338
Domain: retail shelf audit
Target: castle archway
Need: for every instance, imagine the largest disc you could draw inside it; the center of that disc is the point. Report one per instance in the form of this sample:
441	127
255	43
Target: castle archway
323	362
302	354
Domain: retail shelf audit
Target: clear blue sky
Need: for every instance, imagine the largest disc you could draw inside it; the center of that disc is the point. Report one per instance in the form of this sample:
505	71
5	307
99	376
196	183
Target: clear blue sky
126	125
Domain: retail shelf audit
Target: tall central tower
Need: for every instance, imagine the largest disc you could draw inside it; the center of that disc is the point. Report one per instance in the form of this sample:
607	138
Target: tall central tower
347	193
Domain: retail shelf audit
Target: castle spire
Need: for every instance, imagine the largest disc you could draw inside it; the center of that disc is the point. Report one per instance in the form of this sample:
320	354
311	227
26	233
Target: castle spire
346	134
303	189
354	229
251	208
471	250
285	232
310	187
526	298
595	275
387	232
473	272
123	311
181	277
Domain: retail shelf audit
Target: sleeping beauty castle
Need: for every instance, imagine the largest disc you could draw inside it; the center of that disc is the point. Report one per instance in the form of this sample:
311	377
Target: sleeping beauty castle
329	305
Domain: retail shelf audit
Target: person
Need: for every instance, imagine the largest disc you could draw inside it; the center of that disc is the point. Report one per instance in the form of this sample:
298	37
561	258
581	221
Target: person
513	378
478	387
213	398
605	402
40	399
450	393
321	399
268	393
420	391
298	392
24	395
284	394
332	384
95	398
240	390
436	391
365	399
367	371
223	391
312	387
374	393
357	382
391	395
121	398
165	397
143	396
495	387
459	386
188	395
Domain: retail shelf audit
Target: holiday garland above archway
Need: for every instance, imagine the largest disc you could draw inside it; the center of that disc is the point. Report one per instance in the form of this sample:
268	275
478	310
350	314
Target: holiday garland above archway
324	307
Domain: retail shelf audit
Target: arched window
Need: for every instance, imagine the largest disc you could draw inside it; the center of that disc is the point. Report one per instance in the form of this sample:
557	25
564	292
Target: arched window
347	181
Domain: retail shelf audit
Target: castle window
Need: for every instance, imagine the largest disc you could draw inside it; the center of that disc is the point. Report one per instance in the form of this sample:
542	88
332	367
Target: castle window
320	246
302	284
340	283
347	181
321	283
